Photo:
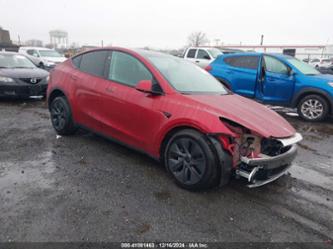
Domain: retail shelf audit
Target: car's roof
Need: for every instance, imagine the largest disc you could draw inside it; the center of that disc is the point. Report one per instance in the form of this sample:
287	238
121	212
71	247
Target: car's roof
280	56
150	53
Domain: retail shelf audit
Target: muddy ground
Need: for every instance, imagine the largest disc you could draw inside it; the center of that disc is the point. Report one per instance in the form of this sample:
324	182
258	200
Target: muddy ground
85	188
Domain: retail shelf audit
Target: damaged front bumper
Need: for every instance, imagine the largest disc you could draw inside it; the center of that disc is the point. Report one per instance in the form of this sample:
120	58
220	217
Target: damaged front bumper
265	169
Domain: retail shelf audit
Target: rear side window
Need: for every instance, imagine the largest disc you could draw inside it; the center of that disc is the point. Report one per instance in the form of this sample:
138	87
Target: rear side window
76	61
128	70
274	65
191	53
249	62
202	54
94	62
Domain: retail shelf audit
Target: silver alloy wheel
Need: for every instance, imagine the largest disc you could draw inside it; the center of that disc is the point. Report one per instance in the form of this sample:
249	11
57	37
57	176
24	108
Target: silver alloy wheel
312	109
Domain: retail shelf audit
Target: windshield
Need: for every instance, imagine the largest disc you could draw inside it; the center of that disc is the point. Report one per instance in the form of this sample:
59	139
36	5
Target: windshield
49	53
214	52
186	77
304	68
15	61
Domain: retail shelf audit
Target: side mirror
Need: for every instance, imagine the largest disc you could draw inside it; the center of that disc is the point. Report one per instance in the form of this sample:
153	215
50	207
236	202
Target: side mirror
146	86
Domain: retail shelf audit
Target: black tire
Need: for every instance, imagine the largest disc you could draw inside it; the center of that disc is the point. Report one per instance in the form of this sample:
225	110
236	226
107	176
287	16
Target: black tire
41	65
61	116
313	108
189	157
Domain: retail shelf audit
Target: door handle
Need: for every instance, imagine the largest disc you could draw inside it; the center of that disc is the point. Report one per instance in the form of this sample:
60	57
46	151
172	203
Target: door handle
73	77
197	61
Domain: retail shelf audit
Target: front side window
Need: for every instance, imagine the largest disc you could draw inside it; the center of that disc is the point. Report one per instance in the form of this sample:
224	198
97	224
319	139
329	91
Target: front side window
126	69
214	52
93	62
191	53
76	61
202	54
274	65
248	61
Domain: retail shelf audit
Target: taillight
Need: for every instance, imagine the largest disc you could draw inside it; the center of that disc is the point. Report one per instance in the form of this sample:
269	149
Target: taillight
208	68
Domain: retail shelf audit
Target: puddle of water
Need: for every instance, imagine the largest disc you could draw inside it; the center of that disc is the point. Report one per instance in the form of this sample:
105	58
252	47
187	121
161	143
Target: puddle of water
28	172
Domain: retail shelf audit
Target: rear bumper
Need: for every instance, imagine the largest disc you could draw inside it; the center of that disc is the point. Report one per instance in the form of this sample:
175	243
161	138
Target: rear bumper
22	91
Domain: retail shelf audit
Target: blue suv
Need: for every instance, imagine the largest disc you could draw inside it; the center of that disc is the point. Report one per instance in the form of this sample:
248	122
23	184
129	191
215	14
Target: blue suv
277	79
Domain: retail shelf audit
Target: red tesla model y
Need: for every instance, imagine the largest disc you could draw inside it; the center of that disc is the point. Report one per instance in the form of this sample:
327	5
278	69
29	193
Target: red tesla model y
173	111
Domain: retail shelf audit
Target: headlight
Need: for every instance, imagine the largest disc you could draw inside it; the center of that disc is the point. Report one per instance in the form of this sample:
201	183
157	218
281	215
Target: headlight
331	84
49	64
6	79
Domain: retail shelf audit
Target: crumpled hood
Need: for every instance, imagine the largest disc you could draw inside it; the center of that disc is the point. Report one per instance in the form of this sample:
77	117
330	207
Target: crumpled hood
248	113
23	72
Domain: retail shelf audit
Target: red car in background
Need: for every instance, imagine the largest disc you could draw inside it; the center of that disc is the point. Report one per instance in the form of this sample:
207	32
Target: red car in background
173	111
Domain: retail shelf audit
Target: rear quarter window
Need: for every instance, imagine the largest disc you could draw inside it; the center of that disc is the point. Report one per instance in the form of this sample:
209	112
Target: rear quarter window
249	62
94	62
76	61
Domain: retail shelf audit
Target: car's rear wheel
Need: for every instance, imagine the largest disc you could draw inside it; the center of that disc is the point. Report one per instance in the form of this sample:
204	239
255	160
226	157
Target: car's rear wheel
191	161
61	116
313	108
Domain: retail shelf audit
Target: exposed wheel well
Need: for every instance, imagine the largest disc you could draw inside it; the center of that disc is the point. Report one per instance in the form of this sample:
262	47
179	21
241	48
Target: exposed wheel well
54	94
314	93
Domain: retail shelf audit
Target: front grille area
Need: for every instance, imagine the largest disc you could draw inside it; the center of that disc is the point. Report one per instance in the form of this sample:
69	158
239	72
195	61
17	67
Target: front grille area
31	80
272	147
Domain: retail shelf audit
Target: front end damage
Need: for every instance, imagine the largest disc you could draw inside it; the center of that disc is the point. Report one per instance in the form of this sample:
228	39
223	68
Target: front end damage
258	159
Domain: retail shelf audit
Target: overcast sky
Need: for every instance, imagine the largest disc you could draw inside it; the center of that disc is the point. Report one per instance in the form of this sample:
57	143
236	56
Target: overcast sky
167	23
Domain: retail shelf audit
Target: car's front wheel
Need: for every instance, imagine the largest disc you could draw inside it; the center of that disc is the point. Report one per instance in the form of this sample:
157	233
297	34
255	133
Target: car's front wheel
313	108
61	116
191	160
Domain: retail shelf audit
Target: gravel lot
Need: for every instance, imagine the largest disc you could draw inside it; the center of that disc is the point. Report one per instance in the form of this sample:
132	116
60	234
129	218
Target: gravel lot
86	188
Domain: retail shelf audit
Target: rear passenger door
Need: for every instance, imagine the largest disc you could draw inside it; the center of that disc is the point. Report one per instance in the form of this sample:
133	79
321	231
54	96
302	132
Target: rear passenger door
242	72
191	55
89	82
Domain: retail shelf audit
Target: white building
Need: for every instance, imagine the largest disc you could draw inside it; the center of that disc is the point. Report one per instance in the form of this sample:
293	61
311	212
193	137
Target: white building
299	51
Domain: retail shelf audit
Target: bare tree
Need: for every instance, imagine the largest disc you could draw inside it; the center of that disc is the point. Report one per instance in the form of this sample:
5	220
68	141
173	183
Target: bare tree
197	39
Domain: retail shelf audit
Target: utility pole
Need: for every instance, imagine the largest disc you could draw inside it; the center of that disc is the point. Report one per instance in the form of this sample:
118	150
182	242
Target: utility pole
262	40
102	43
19	40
